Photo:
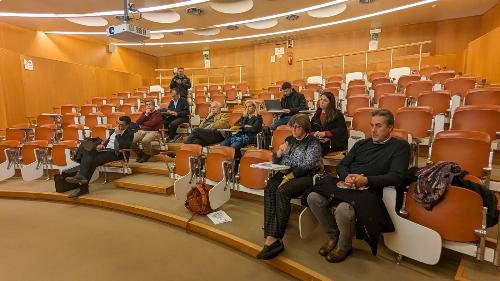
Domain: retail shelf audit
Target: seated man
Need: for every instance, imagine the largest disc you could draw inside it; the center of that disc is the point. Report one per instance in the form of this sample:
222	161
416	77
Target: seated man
356	195
149	123
291	103
207	133
176	114
121	138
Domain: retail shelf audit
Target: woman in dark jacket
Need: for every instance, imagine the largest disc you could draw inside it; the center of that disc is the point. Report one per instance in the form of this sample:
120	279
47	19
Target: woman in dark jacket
250	125
328	124
301	152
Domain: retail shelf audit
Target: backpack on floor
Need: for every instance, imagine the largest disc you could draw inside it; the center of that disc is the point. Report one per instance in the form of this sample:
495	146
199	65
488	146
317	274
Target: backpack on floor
197	198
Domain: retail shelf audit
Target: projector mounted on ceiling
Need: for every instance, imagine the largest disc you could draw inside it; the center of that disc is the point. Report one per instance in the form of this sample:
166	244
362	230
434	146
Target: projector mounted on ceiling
127	31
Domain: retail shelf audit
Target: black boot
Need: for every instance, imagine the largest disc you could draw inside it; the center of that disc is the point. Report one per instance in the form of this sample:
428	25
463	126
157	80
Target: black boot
82	190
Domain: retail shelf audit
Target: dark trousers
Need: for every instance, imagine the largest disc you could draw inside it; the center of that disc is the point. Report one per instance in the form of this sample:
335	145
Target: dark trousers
277	202
93	159
205	137
171	123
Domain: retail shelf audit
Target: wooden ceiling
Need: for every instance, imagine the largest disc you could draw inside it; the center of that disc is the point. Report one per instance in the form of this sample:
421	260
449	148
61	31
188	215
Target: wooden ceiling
439	10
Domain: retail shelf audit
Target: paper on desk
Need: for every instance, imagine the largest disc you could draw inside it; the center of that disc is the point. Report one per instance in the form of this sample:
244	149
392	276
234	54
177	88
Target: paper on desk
219	217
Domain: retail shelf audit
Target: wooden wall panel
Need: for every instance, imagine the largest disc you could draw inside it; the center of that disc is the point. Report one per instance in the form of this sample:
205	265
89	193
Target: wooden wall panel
482	57
13	91
450	39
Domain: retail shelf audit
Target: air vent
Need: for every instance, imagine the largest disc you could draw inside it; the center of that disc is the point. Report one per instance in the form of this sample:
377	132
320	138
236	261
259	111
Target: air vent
292	17
232	27
366	1
177	33
195	11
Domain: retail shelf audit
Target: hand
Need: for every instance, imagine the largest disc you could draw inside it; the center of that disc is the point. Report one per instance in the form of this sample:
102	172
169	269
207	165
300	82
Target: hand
286	110
147	112
178	81
247	126
356	180
99	147
173	113
319	134
286	179
281	149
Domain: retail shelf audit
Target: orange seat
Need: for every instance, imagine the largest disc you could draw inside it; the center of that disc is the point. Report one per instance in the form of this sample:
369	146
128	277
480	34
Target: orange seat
214	88
279	136
231	94
400	134
267	118
308	94
384	88
17	134
234	117
299	82
69	108
28	153
427	70
216	156
361	120
99	101
356	91
93	119
113	117
250	177
6	144
134	116
265	96
355	102
416	120
459	86
441	76
335	78
415	88
455	218
45	119
202	109
117	101
405	79
335	84
182	157
274	89
86	109
312	86
59	152
439	101
123	95
134	100
392	102
228	87
101	131
483	96
70	118
356	82
376	74
127	108
73	132
46	133
469	149
484	118
380	80
200	88
242	87
200	99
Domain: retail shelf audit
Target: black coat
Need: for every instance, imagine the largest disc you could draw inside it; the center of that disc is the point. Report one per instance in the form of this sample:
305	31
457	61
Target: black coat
295	102
124	140
182	108
338	129
255	122
181	88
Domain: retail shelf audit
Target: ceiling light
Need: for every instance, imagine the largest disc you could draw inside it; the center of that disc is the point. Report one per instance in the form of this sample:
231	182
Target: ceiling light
396	9
262	24
89	21
292	17
100	14
195	11
76	33
328	11
232	27
233	7
164	17
207	31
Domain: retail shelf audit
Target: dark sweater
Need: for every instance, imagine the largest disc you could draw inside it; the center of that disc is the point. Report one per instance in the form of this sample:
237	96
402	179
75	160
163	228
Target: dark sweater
251	132
152	122
182	108
383	164
295	102
337	128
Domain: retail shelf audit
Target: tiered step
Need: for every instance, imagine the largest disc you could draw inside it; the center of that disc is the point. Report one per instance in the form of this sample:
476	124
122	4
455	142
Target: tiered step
146	182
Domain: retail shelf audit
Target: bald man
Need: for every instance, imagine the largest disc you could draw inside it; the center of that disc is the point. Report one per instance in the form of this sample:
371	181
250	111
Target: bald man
207	133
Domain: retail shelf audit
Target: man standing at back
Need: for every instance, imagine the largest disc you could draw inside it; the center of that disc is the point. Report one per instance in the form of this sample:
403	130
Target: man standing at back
149	123
352	203
291	103
180	83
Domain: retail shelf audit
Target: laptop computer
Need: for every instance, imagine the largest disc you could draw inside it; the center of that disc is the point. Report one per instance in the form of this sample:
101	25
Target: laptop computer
273	105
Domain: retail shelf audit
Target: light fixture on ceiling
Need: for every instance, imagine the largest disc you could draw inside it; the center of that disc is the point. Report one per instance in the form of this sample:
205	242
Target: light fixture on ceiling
292	17
194	11
231	7
388	11
101	14
232	27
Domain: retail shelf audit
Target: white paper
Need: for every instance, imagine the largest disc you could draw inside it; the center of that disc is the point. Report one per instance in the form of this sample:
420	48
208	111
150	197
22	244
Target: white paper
219	217
273	58
279	51
28	64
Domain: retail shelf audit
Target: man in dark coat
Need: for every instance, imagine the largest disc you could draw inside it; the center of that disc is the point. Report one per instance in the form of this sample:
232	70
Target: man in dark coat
180	83
176	114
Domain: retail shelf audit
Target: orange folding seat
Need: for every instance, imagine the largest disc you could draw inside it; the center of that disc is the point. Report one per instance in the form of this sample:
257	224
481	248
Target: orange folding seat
94	119
380	80
376	74
113	117
127	108
483	118
75	132
356	82
274	89
312	86
459	86
231	95
361	120
249	177
101	131
69	108
86	109
441	76
181	167
279	136
392	102
384	88
427	70
483	96
334	84
355	102
335	78
70	118
202	109
405	79
356	91
99	101
439	101
298	82
308	94
234	117
415	88
214	162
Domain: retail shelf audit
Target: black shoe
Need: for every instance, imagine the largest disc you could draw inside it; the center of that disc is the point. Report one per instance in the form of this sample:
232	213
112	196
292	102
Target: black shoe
77	179
139	156
79	192
145	158
171	154
271	251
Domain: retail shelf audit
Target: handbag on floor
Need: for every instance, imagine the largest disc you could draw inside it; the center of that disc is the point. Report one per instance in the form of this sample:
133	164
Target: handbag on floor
60	180
197	198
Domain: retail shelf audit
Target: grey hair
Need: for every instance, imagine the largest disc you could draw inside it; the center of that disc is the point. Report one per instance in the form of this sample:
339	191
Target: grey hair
389	117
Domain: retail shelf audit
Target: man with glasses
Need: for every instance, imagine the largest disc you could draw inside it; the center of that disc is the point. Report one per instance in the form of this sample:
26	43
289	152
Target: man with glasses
121	138
291	103
181	83
150	122
207	133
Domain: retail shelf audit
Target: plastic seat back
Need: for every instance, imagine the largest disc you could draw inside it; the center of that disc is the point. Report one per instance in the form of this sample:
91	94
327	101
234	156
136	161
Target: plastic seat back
5	145
45	133
234	117
265	96
361	120
28	150
469	149
376	74
267	118
455	217
100	101
134	116
415	88
16	134
101	131
59	152
127	108
231	94
214	162
274	89
182	157
483	96
242	87
392	102
401	134
202	109
299	82
308	94
312	86
484	118
335	78
441	76
334	84
427	70
214	88
279	136
405	79
356	91
220	98
69	108
384	88
87	109
380	80
73	132
250	177
355	102
113	117
459	85
43	119
439	101
117	101
416	120
356	82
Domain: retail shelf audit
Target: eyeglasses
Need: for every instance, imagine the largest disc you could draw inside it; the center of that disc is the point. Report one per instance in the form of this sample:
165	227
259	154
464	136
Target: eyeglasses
295	127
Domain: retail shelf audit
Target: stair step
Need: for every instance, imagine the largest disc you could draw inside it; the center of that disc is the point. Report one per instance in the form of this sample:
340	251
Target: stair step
154	167
161	184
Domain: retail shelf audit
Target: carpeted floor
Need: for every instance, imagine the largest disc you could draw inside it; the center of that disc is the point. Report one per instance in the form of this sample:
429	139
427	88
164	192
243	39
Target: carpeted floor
53	241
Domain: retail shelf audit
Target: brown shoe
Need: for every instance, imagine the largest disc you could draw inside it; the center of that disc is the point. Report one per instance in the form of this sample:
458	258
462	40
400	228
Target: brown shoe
327	247
338	255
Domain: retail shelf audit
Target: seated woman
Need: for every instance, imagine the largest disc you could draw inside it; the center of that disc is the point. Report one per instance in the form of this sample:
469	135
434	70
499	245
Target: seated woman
328	124
301	152
250	124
